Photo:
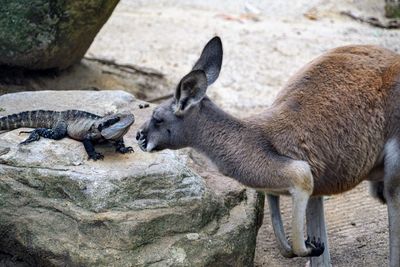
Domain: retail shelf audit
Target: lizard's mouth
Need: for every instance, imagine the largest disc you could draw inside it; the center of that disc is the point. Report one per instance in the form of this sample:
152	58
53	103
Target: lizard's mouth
117	127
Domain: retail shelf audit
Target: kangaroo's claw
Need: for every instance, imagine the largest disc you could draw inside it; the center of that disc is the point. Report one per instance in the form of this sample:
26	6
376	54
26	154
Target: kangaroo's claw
317	247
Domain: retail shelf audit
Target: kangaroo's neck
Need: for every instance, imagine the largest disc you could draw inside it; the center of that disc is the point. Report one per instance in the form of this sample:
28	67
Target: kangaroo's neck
236	147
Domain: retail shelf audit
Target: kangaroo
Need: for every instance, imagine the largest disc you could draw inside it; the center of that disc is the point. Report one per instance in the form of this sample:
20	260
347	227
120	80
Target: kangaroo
335	124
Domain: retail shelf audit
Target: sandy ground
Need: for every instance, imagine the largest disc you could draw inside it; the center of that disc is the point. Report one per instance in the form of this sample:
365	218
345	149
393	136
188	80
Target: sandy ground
264	44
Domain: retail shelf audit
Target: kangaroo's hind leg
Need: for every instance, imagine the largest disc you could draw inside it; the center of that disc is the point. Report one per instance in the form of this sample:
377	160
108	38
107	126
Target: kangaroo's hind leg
277	225
58	132
392	195
376	190
299	179
316	227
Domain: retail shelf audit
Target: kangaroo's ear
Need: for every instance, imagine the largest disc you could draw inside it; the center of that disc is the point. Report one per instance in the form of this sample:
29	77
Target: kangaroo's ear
190	91
210	60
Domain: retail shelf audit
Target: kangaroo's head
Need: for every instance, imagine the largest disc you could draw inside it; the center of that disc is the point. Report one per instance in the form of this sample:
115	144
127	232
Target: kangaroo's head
171	122
115	126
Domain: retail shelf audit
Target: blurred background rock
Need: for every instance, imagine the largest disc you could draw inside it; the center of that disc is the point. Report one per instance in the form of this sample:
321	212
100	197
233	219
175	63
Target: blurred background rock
41	34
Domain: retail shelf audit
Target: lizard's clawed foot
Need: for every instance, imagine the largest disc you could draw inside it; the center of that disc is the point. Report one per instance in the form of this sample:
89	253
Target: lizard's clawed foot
316	247
95	156
32	138
124	150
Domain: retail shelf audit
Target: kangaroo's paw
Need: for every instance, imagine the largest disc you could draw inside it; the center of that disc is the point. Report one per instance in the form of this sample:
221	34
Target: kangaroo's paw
316	247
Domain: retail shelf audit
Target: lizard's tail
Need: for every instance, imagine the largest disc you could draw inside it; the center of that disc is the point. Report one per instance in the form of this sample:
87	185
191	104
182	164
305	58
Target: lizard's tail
29	119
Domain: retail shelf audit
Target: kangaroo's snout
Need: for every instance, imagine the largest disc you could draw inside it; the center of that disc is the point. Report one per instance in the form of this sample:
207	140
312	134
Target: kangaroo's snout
141	137
138	135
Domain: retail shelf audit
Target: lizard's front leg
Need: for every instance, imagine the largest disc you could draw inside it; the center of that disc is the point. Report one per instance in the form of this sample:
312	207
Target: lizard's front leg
89	147
33	136
121	148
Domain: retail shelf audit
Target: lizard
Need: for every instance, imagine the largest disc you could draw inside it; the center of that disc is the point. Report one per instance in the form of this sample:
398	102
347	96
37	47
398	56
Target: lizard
76	124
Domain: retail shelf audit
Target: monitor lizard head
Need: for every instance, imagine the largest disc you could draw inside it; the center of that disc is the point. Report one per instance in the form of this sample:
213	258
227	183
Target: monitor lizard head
115	126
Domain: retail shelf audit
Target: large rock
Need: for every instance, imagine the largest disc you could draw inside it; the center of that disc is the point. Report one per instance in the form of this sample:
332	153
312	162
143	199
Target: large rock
141	209
44	34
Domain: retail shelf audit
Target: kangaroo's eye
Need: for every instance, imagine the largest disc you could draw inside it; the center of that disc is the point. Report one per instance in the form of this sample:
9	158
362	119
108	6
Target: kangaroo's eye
158	121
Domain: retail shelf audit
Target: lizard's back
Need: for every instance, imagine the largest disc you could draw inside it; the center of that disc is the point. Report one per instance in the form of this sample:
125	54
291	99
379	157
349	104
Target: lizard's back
79	123
46	119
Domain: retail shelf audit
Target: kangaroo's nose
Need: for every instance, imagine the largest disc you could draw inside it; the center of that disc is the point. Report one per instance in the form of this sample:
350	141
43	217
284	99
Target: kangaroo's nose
139	135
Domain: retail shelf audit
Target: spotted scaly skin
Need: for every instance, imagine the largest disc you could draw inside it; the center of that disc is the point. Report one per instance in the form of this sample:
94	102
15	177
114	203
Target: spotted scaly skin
76	124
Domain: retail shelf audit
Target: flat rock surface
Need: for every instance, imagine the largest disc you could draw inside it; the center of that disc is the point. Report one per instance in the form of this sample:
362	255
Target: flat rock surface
137	209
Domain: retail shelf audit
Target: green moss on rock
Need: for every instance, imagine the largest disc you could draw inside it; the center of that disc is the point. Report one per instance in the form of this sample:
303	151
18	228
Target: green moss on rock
40	34
392	8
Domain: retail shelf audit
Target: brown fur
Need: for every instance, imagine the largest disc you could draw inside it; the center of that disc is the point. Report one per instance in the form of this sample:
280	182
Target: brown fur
335	115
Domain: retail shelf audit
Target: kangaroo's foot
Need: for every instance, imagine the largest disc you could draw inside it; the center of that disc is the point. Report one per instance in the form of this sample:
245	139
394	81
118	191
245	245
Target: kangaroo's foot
317	247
